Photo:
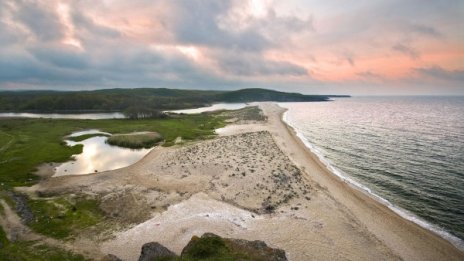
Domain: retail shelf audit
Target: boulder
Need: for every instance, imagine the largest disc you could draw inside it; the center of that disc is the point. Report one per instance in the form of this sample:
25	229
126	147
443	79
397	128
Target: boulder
110	257
154	251
211	246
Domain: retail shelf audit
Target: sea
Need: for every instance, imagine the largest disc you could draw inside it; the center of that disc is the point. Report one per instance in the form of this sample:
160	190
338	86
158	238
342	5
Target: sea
406	152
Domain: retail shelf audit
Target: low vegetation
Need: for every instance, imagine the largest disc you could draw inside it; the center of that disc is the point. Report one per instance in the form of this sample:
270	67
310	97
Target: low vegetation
135	140
125	100
87	136
211	247
63	217
21	250
251	113
27	143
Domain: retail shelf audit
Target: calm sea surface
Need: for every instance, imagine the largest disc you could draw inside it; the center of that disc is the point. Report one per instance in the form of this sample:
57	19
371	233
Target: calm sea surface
409	151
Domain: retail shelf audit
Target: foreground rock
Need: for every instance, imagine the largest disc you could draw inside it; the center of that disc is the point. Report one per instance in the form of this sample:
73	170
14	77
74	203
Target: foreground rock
155	251
212	247
215	247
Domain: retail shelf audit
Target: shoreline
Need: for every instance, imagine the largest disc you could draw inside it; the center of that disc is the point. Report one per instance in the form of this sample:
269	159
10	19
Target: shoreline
416	242
255	181
406	214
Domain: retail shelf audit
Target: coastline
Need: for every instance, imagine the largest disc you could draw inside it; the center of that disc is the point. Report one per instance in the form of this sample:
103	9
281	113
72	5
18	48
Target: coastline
225	186
457	242
404	237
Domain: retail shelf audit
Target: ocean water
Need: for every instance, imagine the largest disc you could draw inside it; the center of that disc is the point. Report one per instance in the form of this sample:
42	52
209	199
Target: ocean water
408	152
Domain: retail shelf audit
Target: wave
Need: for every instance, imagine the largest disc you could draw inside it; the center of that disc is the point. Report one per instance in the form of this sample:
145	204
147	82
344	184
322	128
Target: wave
457	242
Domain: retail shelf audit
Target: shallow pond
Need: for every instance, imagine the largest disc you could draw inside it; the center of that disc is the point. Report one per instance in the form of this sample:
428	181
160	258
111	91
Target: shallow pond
214	107
79	116
97	156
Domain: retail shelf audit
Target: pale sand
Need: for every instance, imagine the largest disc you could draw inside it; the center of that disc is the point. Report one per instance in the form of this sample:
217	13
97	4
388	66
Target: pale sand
403	237
219	185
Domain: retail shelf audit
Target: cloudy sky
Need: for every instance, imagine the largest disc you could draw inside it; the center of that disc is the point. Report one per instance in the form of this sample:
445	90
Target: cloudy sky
330	46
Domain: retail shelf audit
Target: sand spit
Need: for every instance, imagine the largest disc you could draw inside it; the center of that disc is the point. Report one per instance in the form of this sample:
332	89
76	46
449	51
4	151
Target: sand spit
255	181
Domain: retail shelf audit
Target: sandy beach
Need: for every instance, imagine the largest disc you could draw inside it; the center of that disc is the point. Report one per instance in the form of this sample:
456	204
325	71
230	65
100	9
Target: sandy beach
255	181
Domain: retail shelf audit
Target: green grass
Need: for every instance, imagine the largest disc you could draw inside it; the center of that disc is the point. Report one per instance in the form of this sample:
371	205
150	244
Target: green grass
62	218
209	248
251	113
135	141
213	248
5	140
86	136
36	141
32	251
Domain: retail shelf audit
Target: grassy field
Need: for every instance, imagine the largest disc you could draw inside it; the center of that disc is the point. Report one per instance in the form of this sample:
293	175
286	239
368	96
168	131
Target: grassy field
26	143
251	113
63	217
135	140
33	251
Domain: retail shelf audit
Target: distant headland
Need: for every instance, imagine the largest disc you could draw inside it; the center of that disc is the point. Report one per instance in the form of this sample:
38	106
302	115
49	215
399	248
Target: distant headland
111	100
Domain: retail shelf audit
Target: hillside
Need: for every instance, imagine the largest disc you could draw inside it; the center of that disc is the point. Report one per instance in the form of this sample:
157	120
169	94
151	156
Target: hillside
121	99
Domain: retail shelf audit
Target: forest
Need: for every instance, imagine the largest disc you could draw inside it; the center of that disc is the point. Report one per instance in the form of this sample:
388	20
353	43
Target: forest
111	100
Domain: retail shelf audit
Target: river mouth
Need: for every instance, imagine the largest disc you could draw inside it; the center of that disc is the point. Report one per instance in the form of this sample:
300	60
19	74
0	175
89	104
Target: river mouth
214	107
97	155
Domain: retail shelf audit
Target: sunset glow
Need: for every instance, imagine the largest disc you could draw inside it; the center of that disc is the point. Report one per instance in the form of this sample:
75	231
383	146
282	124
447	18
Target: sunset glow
307	46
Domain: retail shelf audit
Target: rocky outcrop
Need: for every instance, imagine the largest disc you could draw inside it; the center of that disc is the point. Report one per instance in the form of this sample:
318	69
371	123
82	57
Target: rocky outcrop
154	251
110	257
211	247
215	247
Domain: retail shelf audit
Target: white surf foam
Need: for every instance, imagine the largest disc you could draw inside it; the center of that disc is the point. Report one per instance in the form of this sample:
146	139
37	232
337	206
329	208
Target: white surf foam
457	242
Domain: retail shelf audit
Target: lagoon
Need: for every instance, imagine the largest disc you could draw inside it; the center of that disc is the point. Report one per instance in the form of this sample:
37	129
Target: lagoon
77	116
98	156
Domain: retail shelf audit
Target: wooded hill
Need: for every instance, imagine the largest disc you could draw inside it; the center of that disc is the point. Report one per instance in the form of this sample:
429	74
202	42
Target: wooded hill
121	99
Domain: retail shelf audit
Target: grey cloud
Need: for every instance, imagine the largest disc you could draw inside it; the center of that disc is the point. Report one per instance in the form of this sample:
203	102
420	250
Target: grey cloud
349	57
407	50
84	24
42	22
196	22
369	75
60	56
136	66
443	74
243	64
425	30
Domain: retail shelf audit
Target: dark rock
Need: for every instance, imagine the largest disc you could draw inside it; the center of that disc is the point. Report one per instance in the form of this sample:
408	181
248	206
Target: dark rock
110	257
256	250
154	251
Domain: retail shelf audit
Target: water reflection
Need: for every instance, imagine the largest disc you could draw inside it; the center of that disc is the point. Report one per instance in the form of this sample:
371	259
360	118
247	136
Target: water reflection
98	156
85	132
80	116
214	107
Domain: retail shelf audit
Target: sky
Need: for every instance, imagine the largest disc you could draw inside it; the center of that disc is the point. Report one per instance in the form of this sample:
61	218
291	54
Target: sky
362	47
